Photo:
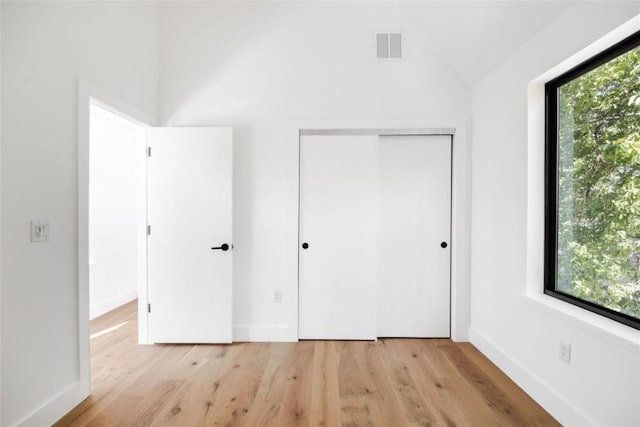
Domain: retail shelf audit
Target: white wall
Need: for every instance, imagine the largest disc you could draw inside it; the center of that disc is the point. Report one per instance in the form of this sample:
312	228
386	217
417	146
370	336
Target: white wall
117	211
511	322
46	47
258	67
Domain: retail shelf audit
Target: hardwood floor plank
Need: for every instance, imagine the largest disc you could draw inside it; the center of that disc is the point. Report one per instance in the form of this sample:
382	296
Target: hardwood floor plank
502	406
435	390
195	402
430	351
239	389
355	411
415	408
295	409
125	405
325	393
275	378
264	414
354	401
147	382
112	388
150	406
525	404
385	408
387	383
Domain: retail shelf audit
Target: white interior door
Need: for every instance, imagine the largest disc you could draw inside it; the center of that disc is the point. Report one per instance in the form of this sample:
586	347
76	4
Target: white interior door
190	213
415	224
338	222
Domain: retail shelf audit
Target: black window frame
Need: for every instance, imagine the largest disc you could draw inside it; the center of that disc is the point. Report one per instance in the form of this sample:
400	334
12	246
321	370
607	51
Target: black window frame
551	178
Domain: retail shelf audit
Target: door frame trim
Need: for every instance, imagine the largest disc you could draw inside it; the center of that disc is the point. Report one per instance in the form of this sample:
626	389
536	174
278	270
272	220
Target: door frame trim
383	133
88	94
380	132
460	201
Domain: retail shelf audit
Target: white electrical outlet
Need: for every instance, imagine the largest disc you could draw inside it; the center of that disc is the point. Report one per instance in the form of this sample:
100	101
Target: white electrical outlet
277	296
565	352
40	231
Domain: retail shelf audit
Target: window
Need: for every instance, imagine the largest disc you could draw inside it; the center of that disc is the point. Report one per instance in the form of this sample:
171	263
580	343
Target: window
592	184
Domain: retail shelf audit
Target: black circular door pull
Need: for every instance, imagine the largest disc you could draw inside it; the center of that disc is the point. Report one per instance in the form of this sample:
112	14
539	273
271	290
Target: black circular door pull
443	245
305	245
223	247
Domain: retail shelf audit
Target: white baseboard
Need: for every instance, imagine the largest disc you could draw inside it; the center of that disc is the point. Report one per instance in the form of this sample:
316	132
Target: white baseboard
263	333
112	303
546	397
56	407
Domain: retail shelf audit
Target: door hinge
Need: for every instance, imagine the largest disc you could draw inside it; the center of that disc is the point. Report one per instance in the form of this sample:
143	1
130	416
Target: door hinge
148	230
149	308
148	151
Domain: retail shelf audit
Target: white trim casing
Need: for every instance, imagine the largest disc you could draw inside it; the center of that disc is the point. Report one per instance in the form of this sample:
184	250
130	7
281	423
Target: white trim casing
88	94
379	132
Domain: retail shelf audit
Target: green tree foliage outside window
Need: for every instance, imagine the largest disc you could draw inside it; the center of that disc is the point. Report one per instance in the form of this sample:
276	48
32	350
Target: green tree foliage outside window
598	221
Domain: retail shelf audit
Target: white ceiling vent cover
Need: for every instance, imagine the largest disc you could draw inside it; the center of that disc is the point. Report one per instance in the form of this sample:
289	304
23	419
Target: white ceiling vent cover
388	45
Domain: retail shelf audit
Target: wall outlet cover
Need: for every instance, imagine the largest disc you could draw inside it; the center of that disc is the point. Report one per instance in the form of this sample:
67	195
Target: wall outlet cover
277	296
565	352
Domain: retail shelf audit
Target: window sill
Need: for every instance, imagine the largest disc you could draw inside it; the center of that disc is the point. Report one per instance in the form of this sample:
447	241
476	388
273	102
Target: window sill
606	328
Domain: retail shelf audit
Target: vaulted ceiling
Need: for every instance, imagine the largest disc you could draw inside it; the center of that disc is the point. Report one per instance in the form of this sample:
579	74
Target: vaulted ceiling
474	36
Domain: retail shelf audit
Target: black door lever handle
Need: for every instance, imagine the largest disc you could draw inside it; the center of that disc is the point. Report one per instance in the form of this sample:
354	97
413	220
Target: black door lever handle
223	247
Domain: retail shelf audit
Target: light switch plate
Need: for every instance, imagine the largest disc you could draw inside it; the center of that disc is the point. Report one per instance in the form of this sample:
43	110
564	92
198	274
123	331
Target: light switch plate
40	231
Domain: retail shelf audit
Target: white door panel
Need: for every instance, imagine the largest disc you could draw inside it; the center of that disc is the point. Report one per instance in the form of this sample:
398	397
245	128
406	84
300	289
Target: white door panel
338	219
415	219
190	211
374	212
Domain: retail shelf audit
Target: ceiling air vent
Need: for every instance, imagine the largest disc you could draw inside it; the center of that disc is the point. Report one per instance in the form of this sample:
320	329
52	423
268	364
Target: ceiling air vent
388	45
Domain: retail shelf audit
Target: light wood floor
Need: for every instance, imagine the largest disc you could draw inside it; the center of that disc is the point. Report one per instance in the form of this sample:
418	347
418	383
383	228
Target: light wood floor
392	382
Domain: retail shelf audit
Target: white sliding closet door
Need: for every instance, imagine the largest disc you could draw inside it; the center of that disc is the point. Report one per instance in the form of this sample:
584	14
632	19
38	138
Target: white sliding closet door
338	221
414	236
190	244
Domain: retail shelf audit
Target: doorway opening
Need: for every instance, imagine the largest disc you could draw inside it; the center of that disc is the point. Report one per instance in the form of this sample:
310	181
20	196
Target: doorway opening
117	227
